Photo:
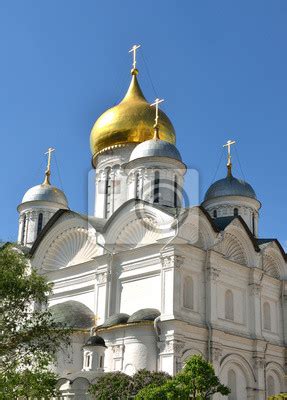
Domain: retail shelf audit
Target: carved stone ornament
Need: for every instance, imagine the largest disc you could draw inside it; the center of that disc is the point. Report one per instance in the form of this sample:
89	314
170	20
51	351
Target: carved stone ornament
118	350
173	261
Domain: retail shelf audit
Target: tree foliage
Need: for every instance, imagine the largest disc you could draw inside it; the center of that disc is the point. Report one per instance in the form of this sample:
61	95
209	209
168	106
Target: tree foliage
197	381
120	386
112	386
29	338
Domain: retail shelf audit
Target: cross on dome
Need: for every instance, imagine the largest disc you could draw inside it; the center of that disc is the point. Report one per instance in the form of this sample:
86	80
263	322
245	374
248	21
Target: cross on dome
48	169
134	51
156	129
228	144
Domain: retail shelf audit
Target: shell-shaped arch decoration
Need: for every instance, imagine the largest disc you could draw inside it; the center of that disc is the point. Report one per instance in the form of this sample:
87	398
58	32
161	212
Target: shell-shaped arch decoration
233	249
137	233
73	246
270	266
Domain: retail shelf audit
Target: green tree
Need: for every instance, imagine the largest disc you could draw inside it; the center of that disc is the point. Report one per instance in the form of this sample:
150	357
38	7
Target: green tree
112	386
119	386
196	381
29	338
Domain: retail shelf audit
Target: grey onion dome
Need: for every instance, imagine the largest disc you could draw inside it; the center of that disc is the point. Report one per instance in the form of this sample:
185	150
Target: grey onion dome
73	315
45	192
155	148
145	314
230	186
95	341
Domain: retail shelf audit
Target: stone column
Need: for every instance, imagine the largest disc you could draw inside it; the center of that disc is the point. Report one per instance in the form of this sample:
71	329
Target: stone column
170	283
212	276
102	295
254	312
170	355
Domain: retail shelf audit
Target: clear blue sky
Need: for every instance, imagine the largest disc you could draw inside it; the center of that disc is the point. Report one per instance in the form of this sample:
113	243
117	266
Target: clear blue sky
220	65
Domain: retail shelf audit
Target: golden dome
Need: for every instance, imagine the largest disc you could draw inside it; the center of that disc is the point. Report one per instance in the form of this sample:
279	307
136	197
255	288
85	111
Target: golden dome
130	121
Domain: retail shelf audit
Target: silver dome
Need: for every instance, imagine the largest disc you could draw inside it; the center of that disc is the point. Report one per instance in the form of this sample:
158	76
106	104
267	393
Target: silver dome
155	148
230	186
45	192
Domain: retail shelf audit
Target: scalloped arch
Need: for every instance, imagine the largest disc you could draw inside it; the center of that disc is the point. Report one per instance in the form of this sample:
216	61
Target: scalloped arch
139	232
270	266
233	249
73	246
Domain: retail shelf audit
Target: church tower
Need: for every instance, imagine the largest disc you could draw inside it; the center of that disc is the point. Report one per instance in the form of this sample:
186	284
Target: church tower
38	205
232	197
113	138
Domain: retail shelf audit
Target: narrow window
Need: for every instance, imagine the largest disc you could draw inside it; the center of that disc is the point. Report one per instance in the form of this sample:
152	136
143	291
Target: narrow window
175	201
214	213
40	223
23	229
138	186
156	187
266	316
231	379
108	190
253	224
101	362
229	307
235	212
188	292
88	360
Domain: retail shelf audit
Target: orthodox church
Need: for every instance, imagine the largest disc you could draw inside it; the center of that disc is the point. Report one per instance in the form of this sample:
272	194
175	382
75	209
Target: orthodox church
147	281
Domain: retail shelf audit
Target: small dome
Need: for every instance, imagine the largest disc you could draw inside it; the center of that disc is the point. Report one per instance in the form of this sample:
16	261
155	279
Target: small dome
115	319
145	314
95	341
73	314
130	121
155	148
230	186
45	192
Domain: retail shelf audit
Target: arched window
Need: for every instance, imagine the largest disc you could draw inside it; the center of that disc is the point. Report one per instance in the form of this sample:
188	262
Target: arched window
23	229
266	316
214	213
40	223
229	306
188	292
231	383
175	201
108	191
156	187
235	212
270	386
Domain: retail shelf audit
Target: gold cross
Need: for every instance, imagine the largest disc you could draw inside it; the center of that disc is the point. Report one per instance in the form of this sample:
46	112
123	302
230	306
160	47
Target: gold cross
48	169
228	145
156	103
134	51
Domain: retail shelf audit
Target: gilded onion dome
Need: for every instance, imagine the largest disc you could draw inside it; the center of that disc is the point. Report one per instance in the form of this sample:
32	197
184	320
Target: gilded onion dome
130	121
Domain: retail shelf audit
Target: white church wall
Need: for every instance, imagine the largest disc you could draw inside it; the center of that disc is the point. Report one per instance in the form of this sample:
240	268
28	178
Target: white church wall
144	292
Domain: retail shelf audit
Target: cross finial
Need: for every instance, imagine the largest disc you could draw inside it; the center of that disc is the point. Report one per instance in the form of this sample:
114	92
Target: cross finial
156	127
48	169
134	51
228	144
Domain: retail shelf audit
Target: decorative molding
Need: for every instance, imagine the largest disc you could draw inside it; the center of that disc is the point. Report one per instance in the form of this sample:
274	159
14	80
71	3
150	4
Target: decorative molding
172	261
255	289
213	274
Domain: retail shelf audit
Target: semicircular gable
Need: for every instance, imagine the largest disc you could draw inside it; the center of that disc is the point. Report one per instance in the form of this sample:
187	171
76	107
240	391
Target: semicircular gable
137	224
273	262
197	229
137	233
237	245
233	249
72	241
